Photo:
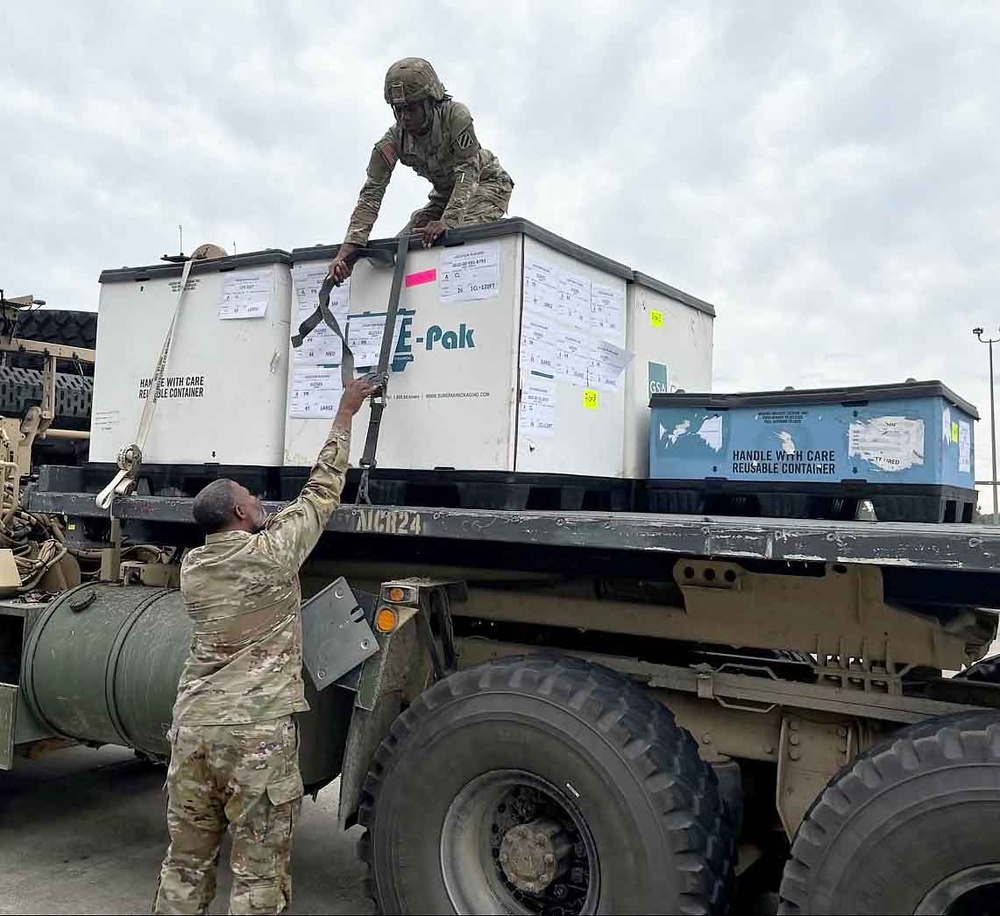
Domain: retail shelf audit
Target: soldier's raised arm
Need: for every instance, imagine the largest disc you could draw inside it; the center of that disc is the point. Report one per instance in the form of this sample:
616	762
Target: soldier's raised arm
290	535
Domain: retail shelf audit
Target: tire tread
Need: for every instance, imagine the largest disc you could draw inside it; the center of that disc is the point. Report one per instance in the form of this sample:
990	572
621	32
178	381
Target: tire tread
663	756
951	739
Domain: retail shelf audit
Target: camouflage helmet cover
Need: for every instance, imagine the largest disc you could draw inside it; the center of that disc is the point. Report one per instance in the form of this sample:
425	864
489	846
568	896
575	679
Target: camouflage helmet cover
412	79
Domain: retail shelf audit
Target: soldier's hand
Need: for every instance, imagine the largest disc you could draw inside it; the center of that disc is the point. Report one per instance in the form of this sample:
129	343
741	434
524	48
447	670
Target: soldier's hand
431	232
341	267
355	394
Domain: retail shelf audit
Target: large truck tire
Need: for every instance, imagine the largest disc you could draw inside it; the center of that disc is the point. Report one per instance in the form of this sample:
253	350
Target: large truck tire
543	785
56	326
62	326
912	826
22	388
986	670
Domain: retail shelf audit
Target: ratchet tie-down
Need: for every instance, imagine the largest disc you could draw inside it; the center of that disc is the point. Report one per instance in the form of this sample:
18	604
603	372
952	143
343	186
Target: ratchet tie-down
379	377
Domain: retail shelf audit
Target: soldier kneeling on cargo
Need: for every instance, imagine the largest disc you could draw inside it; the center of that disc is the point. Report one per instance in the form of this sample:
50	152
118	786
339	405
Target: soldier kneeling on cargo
433	135
234	744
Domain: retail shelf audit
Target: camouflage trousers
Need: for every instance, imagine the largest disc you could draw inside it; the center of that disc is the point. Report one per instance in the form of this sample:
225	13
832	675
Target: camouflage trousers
244	777
487	203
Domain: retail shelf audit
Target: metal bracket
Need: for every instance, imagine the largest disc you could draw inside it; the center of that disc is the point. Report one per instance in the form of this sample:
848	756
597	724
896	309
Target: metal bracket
48	392
111	557
157	575
809	756
53	350
433	597
29	428
51	353
336	635
840	617
8	724
706	687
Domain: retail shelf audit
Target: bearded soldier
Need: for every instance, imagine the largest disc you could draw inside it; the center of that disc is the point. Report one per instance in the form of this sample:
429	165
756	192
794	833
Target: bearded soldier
234	742
434	136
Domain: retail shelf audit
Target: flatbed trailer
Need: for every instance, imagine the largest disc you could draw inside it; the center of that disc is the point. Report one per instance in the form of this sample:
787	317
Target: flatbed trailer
576	712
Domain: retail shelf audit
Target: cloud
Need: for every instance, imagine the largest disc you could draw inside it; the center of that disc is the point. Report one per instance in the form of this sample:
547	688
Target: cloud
824	172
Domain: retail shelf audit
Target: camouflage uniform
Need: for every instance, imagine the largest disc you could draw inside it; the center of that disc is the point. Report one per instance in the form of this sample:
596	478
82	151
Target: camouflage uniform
470	186
234	744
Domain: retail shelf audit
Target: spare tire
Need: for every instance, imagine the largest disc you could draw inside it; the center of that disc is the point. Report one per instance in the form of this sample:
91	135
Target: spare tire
22	388
543	785
62	326
912	826
55	326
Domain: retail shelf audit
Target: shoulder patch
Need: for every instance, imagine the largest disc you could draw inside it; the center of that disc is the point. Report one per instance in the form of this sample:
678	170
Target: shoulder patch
465	139
387	150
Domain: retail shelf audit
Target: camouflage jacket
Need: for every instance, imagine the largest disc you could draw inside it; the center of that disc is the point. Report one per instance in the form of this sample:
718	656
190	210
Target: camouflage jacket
448	156
241	590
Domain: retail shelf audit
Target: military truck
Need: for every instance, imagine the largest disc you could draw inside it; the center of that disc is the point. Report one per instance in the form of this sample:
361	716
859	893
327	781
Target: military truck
575	710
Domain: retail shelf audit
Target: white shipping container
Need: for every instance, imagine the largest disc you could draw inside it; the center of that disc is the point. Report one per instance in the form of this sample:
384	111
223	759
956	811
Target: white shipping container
515	351
451	390
670	335
223	395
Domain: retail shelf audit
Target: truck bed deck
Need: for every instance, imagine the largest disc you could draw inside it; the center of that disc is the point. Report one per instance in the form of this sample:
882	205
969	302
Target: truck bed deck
940	547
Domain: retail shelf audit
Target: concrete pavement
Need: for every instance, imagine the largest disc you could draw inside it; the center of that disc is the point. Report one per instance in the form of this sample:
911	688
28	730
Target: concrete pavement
83	831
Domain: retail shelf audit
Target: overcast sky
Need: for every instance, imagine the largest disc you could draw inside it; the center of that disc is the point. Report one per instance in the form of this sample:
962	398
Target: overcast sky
825	173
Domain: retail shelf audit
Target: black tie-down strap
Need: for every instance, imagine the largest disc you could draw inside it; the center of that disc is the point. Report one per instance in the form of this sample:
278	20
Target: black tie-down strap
380	377
323	313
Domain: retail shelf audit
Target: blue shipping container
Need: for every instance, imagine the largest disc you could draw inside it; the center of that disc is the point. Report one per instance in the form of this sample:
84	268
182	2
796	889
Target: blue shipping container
911	433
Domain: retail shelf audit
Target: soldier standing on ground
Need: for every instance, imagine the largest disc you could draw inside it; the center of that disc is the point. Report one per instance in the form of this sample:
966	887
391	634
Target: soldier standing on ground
234	744
434	136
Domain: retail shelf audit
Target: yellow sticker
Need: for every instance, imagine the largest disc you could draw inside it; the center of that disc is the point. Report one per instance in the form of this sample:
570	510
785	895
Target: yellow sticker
590	399
656	318
954	432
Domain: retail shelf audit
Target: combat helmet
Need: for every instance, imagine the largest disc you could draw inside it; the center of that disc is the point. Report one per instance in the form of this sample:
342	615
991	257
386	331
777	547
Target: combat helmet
412	79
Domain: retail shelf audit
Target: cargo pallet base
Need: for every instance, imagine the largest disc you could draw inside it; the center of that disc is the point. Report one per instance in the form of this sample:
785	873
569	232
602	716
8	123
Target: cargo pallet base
161	479
480	489
443	488
904	503
450	489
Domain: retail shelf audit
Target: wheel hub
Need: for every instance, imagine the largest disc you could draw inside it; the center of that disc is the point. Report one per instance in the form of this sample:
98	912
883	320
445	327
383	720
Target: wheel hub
533	855
513	843
972	890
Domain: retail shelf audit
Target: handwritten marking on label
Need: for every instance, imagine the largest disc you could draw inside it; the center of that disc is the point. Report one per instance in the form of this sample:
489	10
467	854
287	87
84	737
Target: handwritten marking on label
656	318
590	399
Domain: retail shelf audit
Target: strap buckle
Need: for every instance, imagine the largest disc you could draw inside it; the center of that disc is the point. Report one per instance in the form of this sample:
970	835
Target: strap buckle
363	498
380	381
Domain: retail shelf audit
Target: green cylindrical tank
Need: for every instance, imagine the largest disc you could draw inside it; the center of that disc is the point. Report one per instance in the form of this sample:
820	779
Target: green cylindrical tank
102	662
101	665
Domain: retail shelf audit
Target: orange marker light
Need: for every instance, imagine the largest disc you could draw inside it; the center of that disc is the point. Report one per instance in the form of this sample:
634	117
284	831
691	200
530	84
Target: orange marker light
386	620
396	594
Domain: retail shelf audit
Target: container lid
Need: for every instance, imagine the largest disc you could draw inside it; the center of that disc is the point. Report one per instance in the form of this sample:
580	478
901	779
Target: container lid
848	397
168	270
660	287
463	236
513	226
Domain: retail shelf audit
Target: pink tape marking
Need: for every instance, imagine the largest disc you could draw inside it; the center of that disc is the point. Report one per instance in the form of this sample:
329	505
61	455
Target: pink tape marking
421	277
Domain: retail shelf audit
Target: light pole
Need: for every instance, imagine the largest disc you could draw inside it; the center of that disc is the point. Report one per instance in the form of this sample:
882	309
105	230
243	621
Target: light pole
993	416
